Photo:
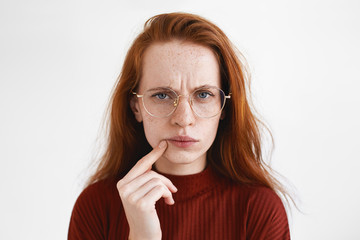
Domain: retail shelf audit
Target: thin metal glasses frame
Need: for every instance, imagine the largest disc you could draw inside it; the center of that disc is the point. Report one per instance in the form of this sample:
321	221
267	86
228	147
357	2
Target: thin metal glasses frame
178	99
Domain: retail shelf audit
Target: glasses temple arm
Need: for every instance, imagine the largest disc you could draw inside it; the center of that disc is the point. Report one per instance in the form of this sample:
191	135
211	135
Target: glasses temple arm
134	93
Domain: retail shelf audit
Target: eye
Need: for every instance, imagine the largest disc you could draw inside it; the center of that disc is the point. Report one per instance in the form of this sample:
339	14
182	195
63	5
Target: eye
161	95
204	94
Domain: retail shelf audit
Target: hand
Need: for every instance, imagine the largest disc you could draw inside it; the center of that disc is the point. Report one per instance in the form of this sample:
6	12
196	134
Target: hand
139	190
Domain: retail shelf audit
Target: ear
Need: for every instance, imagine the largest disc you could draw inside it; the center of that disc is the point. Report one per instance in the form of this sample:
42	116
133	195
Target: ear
134	105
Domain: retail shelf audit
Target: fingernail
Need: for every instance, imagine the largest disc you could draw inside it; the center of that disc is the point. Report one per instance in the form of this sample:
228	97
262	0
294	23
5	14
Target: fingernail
162	144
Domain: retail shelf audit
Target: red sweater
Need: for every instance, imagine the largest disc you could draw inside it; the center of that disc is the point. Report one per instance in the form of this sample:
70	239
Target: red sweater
207	206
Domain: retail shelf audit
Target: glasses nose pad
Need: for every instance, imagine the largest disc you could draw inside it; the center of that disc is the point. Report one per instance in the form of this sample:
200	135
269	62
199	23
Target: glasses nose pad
176	102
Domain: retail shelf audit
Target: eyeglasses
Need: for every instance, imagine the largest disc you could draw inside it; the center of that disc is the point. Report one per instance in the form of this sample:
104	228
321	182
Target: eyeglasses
206	102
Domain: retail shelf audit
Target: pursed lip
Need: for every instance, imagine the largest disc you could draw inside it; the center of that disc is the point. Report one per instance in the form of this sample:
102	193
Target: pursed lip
182	141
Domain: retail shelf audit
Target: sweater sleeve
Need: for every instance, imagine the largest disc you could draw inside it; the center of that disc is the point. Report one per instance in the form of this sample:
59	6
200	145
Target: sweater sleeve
267	217
88	214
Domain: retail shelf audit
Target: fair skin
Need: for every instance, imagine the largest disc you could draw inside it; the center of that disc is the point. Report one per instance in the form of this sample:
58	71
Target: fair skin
180	141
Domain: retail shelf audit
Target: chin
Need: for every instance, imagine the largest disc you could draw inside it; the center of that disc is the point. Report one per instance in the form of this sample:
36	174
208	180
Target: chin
182	156
181	162
179	158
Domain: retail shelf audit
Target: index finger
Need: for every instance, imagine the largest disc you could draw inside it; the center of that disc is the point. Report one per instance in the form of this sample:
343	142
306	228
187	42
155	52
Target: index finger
145	163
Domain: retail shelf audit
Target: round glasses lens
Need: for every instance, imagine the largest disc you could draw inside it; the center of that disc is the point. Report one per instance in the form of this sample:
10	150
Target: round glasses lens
207	102
160	102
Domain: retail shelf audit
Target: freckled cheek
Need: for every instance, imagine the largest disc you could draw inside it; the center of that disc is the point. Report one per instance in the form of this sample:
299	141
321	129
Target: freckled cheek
153	130
210	128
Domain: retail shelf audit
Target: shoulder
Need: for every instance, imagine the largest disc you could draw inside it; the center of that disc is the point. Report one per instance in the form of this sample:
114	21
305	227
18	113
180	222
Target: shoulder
262	200
102	188
261	210
252	194
261	196
265	213
97	193
254	199
91	209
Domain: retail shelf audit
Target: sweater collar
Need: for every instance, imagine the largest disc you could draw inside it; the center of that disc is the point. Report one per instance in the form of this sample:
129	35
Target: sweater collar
191	186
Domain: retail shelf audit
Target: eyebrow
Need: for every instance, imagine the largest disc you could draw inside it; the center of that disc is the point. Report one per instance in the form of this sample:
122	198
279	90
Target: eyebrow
168	87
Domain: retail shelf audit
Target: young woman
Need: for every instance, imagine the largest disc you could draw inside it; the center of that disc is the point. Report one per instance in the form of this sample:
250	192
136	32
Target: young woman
183	158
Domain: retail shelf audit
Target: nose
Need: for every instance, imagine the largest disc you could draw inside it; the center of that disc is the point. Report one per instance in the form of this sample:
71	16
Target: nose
183	115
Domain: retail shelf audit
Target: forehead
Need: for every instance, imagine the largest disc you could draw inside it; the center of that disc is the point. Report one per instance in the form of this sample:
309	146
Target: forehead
179	65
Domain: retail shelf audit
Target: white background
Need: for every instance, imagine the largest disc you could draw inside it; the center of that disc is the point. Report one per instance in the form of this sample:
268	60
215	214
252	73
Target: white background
60	59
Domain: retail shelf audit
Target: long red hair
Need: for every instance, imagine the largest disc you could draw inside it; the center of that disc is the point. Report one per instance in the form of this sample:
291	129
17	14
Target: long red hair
236	151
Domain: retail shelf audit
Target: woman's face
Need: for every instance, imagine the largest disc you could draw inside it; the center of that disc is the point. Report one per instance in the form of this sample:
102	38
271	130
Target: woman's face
183	67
